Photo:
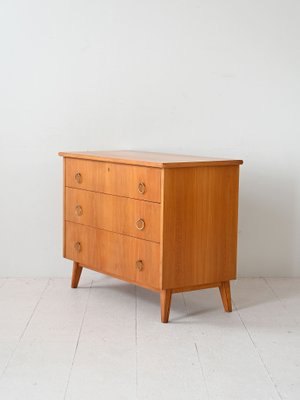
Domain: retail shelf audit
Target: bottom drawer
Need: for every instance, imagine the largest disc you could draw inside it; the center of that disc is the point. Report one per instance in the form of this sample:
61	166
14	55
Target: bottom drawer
122	256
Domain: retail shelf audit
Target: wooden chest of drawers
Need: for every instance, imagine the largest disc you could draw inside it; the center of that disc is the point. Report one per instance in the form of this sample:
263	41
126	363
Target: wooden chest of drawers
165	222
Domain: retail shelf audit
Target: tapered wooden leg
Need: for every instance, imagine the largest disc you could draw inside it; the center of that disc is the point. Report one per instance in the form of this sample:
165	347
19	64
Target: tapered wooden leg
225	295
165	304
75	274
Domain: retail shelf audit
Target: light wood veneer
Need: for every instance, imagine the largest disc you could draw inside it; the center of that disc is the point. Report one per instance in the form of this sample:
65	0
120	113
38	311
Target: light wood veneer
114	213
165	222
112	178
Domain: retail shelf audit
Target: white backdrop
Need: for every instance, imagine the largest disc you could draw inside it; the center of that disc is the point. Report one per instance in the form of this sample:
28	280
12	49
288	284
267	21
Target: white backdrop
214	77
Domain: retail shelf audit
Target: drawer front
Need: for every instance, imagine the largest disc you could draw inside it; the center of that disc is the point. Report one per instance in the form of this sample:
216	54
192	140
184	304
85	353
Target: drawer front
80	206
141	183
122	256
136	218
81	174
80	243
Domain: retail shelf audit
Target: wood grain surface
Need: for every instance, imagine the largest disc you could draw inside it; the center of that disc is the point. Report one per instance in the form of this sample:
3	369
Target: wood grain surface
199	225
150	159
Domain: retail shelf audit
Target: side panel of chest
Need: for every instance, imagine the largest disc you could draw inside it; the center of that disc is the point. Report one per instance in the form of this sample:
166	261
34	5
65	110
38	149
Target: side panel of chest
200	211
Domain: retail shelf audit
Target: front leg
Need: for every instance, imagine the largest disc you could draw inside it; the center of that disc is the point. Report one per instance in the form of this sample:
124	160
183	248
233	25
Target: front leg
75	274
165	304
225	295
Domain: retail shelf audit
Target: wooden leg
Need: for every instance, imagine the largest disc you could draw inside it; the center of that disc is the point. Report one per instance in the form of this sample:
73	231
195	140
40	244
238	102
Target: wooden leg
225	295
165	304
75	274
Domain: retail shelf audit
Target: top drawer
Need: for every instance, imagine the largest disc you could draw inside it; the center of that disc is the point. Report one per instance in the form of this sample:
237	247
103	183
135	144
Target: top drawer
141	183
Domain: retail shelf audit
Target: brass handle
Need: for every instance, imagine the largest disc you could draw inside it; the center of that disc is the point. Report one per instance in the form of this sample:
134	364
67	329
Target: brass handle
78	177
139	265
77	246
141	188
140	224
78	211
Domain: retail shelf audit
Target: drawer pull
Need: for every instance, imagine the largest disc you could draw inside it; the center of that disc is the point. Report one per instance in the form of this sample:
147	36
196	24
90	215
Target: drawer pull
78	211
77	246
139	265
141	188
140	224
78	177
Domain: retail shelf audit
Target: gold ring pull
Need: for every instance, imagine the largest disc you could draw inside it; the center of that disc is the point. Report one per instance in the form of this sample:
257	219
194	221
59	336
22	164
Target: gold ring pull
140	224
77	246
78	177
139	265
141	188
78	211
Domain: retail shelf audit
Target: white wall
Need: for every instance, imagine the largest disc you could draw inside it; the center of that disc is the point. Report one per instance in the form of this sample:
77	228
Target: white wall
219	78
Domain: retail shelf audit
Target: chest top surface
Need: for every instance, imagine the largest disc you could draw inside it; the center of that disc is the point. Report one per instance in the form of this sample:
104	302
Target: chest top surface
150	159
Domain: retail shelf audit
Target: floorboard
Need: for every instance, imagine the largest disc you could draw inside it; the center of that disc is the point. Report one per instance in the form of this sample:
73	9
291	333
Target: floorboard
232	368
18	300
167	358
274	331
105	361
41	361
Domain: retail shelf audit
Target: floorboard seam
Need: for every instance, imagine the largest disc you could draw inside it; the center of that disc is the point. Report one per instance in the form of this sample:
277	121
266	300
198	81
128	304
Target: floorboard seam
280	301
197	352
136	346
274	293
25	328
258	352
77	342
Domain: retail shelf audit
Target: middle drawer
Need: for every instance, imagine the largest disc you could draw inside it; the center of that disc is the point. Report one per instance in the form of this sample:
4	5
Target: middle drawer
136	218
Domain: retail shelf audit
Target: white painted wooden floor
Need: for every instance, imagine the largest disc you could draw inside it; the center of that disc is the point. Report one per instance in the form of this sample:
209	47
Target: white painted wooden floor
105	341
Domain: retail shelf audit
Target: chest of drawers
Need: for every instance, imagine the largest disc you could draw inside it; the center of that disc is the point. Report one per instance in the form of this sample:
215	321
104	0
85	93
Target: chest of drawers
165	222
